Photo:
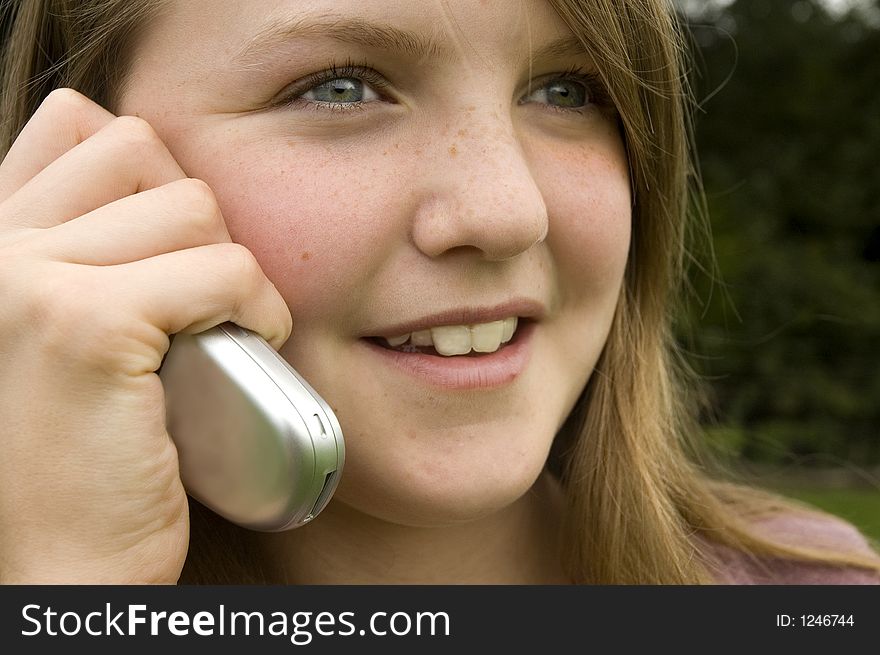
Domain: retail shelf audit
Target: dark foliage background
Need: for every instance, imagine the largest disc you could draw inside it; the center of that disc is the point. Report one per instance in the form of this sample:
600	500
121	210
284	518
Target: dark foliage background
789	140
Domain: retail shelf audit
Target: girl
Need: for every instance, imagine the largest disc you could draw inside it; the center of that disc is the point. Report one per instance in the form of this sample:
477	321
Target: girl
462	222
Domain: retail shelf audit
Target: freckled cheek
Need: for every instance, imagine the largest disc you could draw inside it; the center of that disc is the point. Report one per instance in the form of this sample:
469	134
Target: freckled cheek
318	230
590	213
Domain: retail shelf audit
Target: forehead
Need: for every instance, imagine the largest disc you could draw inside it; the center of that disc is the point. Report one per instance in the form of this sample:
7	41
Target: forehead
429	31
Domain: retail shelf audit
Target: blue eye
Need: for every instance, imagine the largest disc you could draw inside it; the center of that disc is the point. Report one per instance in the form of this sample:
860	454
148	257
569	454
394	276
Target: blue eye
344	90
565	93
337	88
352	86
575	90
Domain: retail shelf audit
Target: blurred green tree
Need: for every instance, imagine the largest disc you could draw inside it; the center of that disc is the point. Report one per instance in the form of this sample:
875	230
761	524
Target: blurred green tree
788	138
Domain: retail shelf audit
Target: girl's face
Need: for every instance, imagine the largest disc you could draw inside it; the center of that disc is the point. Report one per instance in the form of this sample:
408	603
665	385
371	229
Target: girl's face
397	167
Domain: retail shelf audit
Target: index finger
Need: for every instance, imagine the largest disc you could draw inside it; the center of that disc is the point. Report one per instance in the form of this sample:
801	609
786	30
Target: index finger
65	119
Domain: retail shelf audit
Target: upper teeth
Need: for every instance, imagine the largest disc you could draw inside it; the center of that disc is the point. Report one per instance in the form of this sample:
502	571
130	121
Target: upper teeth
461	339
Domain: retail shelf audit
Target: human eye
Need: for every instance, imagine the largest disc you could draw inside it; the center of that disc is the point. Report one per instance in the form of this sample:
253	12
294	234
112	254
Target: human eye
575	90
337	88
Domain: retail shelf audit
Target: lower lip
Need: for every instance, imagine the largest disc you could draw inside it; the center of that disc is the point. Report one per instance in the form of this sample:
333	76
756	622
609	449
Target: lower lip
487	371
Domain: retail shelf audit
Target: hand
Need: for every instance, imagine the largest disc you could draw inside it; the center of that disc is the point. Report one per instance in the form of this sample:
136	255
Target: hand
106	248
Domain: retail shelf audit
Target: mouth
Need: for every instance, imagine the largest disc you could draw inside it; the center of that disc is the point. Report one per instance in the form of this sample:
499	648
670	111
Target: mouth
460	349
455	364
472	340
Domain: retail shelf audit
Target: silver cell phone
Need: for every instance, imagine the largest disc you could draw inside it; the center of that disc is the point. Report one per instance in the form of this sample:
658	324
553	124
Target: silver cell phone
257	445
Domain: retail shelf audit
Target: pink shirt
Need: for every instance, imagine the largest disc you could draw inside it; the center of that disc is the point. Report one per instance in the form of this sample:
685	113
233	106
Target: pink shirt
793	529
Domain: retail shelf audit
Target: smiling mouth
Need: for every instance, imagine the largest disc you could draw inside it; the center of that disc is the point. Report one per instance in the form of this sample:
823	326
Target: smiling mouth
474	340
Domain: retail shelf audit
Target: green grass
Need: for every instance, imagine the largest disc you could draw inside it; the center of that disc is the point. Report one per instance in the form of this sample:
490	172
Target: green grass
859	507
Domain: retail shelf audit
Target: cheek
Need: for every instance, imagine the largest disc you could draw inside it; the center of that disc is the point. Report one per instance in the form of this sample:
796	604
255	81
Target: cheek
317	223
589	204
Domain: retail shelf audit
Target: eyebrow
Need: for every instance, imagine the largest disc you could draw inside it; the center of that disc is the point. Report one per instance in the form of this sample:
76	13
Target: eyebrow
377	36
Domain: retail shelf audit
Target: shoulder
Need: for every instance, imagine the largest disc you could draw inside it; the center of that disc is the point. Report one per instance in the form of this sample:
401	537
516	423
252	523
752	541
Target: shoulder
816	530
800	529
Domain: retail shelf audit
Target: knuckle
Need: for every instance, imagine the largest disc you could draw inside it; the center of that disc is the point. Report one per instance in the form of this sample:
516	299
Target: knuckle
241	271
57	302
67	102
136	133
242	263
77	323
195	200
57	306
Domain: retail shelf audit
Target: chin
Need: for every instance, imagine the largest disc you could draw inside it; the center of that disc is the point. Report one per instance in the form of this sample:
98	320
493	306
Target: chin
440	493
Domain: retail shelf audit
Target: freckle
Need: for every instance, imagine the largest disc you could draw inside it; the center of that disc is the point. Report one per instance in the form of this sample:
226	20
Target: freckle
462	133
306	256
471	108
453	150
418	152
384	153
396	145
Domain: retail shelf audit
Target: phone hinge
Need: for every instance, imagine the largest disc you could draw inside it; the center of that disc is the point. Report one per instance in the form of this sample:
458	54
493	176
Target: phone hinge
324	496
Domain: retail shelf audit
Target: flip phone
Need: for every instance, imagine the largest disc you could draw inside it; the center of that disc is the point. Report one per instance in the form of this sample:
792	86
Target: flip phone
256	444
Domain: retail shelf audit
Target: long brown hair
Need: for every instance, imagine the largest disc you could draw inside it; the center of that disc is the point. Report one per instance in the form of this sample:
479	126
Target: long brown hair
645	504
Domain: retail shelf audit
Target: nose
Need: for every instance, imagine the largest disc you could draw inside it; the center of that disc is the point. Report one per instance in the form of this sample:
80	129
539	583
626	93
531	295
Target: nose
479	193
